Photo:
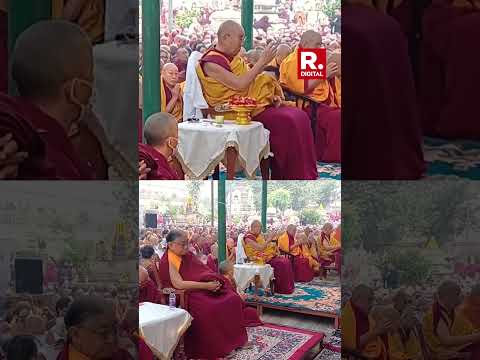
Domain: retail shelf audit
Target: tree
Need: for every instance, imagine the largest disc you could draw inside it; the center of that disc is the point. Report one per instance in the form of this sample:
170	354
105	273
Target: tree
280	199
310	217
193	188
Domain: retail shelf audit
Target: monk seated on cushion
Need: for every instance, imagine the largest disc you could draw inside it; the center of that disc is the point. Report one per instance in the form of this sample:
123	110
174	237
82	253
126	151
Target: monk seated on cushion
304	264
264	251
249	313
325	92
361	334
210	302
470	308
161	137
171	92
447	331
52	107
223	74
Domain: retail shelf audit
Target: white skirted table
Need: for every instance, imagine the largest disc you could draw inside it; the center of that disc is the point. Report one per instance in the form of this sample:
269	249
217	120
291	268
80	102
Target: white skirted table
162	327
115	100
244	274
204	145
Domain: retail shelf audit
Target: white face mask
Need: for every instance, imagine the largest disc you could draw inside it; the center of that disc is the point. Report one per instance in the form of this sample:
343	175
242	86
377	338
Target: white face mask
85	109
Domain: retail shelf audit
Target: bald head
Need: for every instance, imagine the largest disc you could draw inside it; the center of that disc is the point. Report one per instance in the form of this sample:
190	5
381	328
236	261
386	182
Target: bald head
159	127
49	54
230	37
256	227
475	291
363	298
291	229
283	51
311	40
447	289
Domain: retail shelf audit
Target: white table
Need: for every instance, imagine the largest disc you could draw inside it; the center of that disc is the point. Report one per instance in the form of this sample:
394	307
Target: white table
162	327
244	274
116	95
203	145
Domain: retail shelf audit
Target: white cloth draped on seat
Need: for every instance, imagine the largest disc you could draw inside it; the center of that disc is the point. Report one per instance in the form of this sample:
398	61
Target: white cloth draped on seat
193	100
240	255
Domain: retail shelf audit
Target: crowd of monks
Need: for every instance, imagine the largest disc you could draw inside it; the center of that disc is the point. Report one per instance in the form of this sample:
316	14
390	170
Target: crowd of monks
188	261
449	328
269	74
410	71
48	130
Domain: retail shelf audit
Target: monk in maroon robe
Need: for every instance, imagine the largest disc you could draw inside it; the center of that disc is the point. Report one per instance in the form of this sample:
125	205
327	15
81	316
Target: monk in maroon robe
301	267
210	302
52	103
449	74
250	314
291	137
381	134
148	291
161	136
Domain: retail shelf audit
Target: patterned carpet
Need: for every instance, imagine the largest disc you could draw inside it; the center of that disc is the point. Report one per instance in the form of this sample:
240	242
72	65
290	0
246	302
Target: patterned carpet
273	342
453	159
327	354
314	296
326	171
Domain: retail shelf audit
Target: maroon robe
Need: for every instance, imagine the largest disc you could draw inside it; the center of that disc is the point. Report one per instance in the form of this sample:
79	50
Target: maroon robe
301	268
160	169
212	263
51	153
250	314
121	354
291	138
148	292
381	135
209	336
3	51
282	270
449	73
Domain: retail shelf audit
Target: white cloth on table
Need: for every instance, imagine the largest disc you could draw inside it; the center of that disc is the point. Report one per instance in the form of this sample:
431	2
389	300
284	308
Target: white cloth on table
240	255
245	273
116	102
202	146
162	327
193	99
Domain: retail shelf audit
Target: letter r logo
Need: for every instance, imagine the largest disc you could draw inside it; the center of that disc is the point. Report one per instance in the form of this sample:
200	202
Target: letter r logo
308	60
311	64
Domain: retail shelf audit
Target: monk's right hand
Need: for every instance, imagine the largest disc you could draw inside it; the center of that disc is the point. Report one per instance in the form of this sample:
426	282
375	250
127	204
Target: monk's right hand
268	54
10	157
143	170
211	285
332	68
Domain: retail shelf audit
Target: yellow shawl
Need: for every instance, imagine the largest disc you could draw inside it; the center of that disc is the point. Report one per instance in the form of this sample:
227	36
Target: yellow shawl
177	110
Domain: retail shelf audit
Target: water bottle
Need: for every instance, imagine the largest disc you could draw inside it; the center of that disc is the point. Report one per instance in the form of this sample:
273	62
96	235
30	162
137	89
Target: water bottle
172	299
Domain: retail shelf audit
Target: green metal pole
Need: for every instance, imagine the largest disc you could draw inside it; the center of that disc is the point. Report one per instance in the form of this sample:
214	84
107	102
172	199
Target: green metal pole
247	22
151	57
222	226
264	205
21	15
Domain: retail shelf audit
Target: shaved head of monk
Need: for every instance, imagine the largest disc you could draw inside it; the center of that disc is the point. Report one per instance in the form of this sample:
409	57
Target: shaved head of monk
170	74
310	40
230	38
52	65
283	51
363	298
256	227
291	230
327	228
449	294
161	131
401	300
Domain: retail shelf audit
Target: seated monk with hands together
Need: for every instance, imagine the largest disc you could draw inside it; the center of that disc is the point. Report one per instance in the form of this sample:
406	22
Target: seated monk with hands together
223	74
210	301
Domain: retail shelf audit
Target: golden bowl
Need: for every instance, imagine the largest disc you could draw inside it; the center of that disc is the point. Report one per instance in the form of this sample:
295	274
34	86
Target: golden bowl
243	113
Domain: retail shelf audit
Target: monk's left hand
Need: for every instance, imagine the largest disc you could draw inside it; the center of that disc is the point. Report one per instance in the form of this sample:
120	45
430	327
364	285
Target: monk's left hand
277	101
143	170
